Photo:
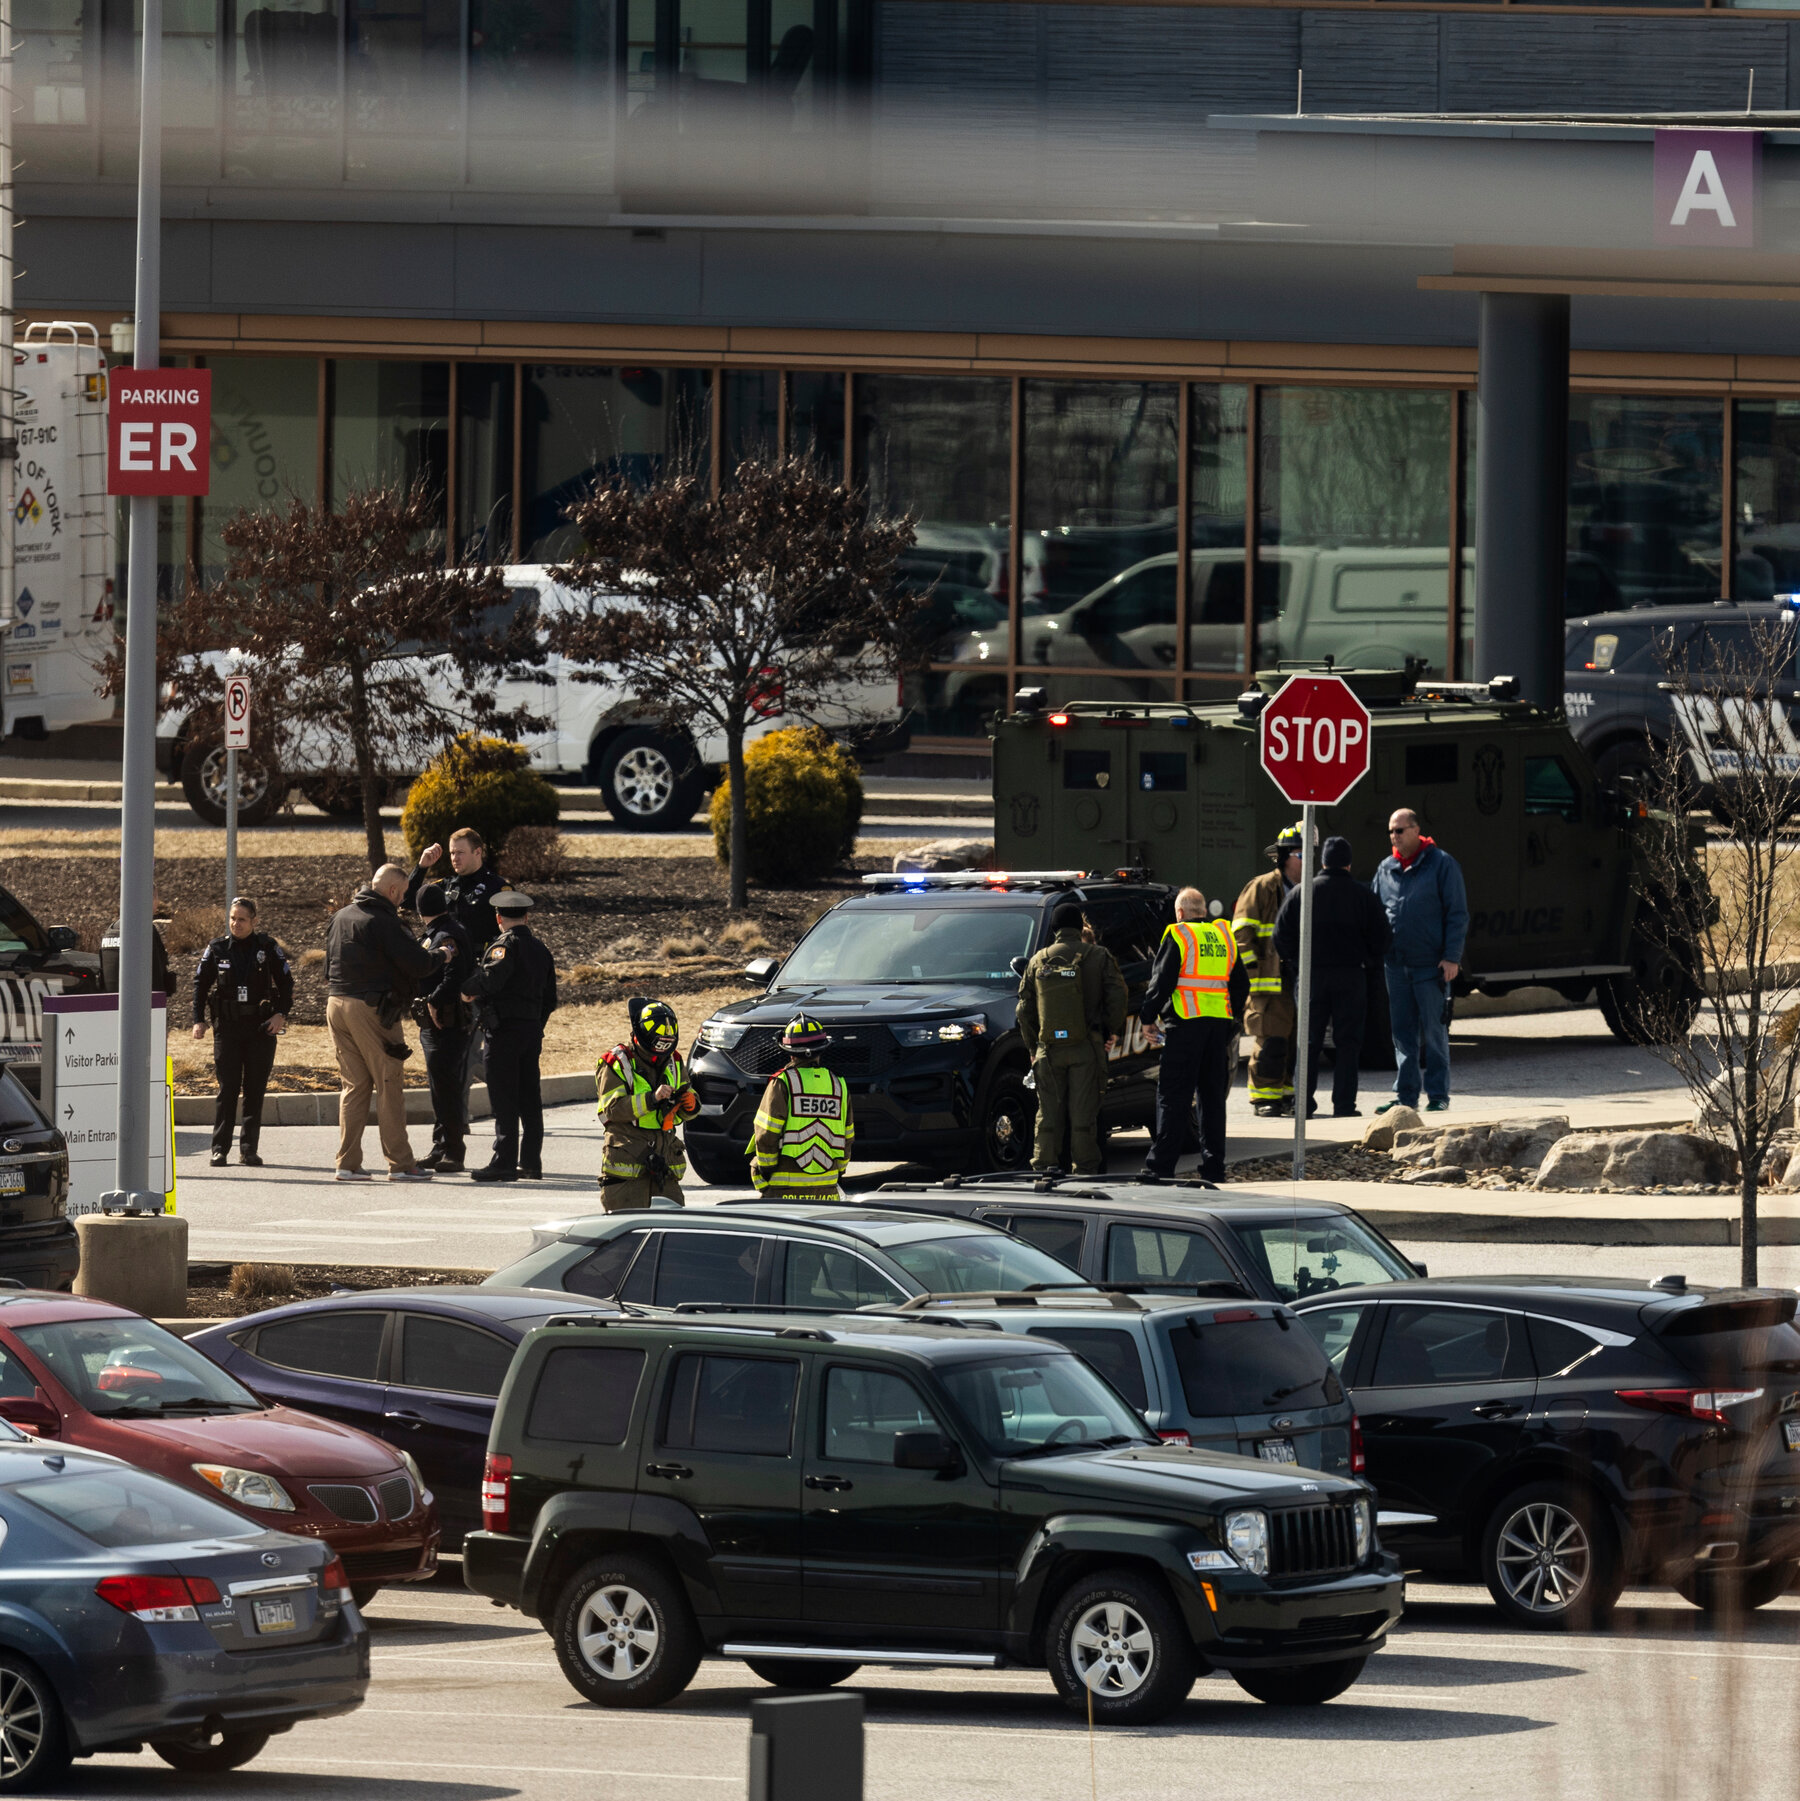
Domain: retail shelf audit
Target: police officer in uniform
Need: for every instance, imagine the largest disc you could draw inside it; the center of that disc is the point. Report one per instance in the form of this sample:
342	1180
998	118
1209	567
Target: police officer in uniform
1190	996
515	991
469	895
1072	1006
1270	1017
445	1021
245	983
803	1134
644	1094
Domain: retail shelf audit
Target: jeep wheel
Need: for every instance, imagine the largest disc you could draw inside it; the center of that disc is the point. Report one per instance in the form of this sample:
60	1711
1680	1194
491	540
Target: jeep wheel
1311	1685
1549	1559
1657	1001
1008	1123
1738	1591
261	788
648	783
801	1672
728	1168
624	1634
1116	1637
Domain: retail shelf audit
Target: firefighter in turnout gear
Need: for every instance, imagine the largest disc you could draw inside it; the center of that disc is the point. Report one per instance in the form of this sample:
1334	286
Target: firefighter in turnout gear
644	1095
801	1146
1270	1017
1072	1006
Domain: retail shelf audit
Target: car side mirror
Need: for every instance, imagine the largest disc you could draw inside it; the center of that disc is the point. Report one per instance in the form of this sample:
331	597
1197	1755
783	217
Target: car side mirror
32	1413
761	970
1018	966
924	1449
63	938
1418	1268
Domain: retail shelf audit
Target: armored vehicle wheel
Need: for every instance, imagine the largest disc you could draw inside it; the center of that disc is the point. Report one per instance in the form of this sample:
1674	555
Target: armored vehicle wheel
650	784
1118	1639
1735	1591
261	786
801	1672
1311	1685
210	1753
1549	1558
624	1634
723	1169
1657	1001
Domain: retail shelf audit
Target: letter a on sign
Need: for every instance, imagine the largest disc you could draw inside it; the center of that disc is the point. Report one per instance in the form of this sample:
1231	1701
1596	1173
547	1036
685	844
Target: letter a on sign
1705	186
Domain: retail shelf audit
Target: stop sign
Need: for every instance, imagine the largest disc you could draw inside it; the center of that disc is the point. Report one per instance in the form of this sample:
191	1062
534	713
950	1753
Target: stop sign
1315	739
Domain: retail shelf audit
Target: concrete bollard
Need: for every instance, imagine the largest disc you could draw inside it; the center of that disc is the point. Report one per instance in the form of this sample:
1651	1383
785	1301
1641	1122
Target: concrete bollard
135	1260
806	1748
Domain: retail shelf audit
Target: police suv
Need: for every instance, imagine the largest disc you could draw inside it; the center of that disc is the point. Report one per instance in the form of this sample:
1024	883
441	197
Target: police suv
917	981
35	961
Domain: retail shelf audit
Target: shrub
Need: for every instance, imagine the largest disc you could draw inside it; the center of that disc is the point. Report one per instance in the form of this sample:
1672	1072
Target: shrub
481	782
805	804
535	853
193	929
255	1281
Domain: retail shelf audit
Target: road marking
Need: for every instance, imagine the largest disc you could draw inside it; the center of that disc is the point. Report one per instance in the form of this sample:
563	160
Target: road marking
521	1769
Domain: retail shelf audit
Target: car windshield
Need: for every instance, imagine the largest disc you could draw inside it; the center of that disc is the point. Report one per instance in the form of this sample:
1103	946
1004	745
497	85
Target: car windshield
131	1507
1314	1256
978	1263
1030	1406
912	944
120	1367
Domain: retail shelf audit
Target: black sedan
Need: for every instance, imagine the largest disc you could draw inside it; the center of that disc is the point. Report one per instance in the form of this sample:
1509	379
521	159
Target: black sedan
38	1246
419	1367
1557	1436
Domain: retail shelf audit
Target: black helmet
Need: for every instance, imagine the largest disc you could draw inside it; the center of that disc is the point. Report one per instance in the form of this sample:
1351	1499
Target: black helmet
804	1038
654	1028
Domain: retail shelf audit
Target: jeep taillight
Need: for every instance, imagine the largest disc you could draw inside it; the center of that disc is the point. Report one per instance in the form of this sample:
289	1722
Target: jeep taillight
1359	1458
496	1493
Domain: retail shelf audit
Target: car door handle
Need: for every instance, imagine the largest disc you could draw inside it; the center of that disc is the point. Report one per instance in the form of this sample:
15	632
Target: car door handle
673	1472
1496	1410
415	1420
833	1484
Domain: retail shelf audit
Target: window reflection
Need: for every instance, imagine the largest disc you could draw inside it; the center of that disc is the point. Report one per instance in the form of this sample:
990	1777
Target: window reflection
49	69
1218	438
389	426
283	110
484	461
816	420
403	82
1767	555
265	442
752	417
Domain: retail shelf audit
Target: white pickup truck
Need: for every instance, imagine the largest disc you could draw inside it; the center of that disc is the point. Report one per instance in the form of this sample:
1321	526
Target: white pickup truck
650	777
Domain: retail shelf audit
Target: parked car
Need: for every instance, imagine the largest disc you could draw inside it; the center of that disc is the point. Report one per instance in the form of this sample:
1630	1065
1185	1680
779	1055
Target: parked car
36	961
1216	1374
1178	1233
1555	1437
134	1611
894	1490
38	1246
781	1253
418	1367
100	1378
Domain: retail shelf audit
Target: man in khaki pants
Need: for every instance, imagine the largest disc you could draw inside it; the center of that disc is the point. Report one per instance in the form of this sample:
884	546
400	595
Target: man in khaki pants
373	968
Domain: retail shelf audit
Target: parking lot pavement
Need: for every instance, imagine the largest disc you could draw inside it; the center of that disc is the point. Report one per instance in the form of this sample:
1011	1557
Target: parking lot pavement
468	1705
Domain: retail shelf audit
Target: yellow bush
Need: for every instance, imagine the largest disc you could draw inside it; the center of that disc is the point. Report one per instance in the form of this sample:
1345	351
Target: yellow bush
805	805
485	783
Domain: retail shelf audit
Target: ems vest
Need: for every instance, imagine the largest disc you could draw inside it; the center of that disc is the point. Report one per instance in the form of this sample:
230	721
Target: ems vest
813	1145
1062	1009
622	1157
1208	956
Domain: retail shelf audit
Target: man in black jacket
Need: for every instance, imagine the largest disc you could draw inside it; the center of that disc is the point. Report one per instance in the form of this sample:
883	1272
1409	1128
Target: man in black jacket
1350	937
445	1021
373	969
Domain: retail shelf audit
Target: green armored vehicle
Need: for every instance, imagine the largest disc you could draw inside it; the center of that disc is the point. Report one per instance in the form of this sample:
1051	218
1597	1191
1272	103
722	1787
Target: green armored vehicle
1555	863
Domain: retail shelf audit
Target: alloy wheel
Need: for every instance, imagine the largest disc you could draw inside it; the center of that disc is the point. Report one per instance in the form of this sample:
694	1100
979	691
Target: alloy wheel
1544	1558
644	780
21	1723
1111	1649
617	1631
253	778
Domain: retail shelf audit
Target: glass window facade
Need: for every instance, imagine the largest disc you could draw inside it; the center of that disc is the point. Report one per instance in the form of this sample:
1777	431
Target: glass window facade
1218	453
265	443
484	460
389	425
283	90
1766	509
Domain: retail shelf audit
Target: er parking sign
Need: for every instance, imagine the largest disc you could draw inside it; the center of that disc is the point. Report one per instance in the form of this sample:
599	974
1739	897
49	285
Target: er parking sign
159	431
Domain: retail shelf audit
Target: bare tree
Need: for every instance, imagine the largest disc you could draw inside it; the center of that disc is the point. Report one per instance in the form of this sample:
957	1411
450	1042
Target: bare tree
780	590
1711	989
359	641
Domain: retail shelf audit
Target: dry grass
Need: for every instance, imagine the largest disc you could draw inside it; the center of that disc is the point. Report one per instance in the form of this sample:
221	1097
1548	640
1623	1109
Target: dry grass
192	929
689	941
311	959
252	1281
745	937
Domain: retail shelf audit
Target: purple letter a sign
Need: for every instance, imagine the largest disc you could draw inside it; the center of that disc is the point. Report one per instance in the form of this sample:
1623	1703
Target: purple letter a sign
1706	187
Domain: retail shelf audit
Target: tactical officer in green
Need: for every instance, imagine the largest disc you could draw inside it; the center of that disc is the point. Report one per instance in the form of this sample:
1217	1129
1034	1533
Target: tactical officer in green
801	1144
1072	1006
644	1095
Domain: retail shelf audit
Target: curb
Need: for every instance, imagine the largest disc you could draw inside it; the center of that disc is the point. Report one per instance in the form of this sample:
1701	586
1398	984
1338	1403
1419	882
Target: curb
23	788
1504	1228
322	1109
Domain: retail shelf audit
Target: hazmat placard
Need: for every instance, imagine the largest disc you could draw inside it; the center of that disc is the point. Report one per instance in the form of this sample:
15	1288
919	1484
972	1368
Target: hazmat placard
81	1094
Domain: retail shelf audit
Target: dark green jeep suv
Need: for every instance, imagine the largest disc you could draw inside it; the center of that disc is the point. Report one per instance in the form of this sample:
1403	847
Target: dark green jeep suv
811	1495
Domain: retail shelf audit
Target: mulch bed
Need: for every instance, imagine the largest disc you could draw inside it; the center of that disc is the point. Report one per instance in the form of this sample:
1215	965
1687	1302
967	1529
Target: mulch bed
1324	1163
210	1295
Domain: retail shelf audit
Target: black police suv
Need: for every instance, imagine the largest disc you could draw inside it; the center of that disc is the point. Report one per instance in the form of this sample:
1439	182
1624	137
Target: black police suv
809	1493
917	982
1556	1437
35	961
38	1245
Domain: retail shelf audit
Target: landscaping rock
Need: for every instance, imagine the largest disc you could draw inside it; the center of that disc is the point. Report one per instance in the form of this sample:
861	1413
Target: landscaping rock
944	854
1446	1175
1634	1160
1575	1161
1379	1134
1503	1144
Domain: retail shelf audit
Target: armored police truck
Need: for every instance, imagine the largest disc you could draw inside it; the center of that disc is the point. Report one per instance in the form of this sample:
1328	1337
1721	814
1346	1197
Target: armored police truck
1555	862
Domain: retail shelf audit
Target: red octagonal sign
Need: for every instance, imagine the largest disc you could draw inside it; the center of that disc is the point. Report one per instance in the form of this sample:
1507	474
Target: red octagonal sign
1315	739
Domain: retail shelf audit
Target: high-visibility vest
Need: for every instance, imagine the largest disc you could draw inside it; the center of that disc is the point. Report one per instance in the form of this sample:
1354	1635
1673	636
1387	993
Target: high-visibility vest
806	1152
620	1159
1209	954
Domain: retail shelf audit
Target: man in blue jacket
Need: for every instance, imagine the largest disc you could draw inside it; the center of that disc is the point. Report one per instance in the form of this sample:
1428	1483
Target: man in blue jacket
1421	887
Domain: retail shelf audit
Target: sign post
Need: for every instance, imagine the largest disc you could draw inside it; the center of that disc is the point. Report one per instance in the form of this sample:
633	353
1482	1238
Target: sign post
1315	748
237	737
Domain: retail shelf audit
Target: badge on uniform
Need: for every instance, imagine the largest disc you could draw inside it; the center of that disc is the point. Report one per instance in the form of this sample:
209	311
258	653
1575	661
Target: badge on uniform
1059	1034
262	956
497	952
243	997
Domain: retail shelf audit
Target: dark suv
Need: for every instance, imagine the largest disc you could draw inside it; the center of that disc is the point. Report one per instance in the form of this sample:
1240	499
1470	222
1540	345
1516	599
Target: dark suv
1555	1437
812	1495
918	983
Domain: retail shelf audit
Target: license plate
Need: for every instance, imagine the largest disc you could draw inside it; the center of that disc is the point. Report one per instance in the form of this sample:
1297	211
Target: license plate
12	1181
1790	1434
1277	1450
275	1616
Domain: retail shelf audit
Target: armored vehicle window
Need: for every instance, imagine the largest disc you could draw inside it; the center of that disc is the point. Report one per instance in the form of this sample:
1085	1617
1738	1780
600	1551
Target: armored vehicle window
1549	788
1309	1256
600	1274
822	1275
1053	1232
731	1404
1087	768
1114	1354
326	1344
863	1411
1163	771
1149	1254
584	1394
913	944
707	1266
1427	763
1248	1365
1424	1346
441	1353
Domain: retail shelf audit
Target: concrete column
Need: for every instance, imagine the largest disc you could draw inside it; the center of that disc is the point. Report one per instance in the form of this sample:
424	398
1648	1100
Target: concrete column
1521	491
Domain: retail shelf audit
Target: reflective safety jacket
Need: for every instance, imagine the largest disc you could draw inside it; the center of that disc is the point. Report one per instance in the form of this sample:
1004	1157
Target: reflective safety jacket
1208	956
803	1132
1253	926
639	1127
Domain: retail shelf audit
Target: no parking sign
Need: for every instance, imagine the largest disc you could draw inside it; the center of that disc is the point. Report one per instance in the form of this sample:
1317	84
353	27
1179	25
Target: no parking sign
237	713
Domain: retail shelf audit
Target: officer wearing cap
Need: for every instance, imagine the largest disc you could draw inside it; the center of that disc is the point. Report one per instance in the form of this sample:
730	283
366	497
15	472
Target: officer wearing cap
1270	1017
245	984
644	1094
1072	1006
803	1133
515	991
